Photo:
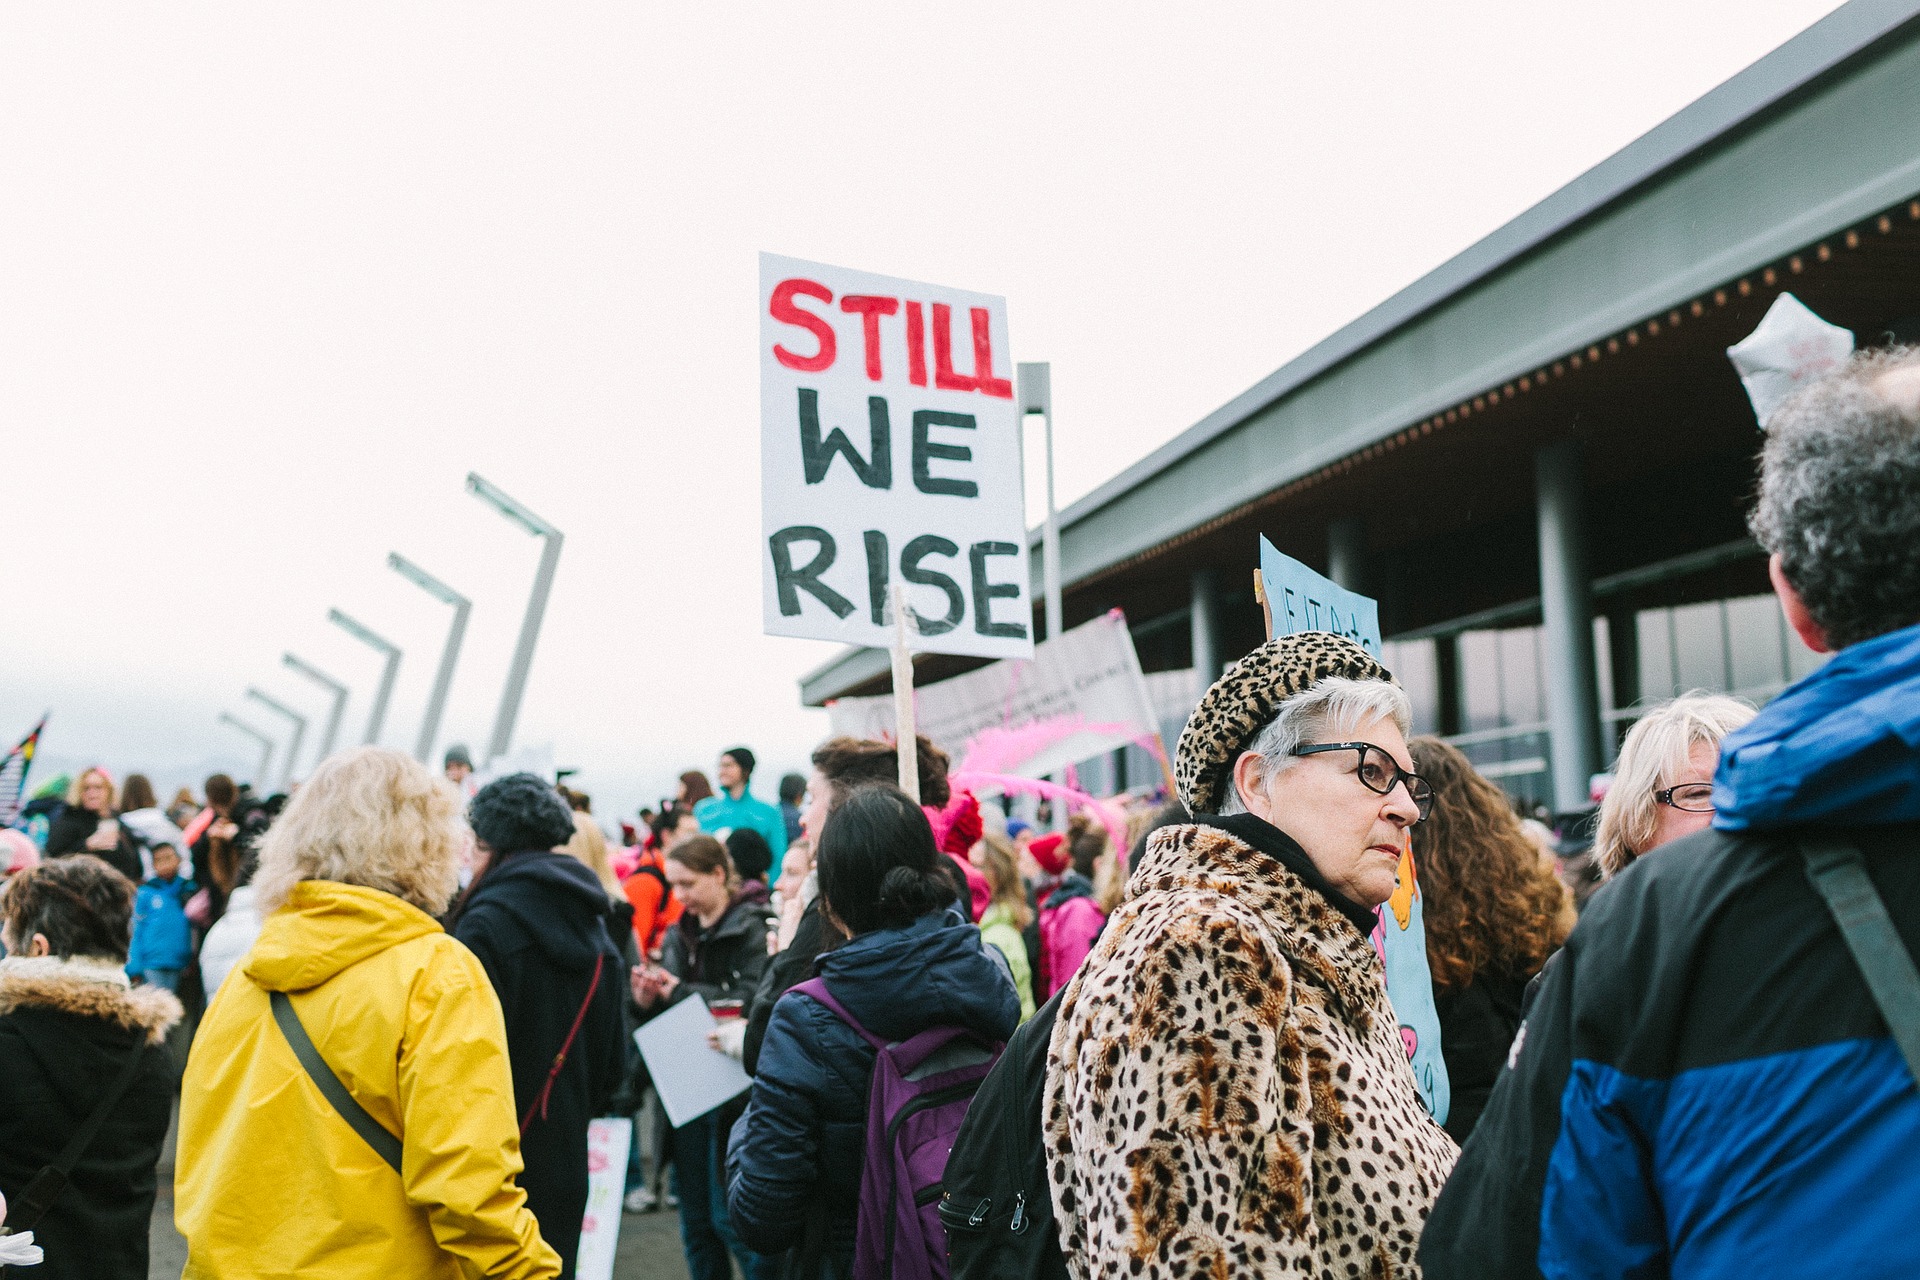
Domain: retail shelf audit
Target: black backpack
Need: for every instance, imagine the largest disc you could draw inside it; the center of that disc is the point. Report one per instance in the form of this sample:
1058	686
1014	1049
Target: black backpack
995	1203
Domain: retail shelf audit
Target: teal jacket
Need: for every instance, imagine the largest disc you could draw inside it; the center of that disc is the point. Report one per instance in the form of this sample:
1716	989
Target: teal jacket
723	813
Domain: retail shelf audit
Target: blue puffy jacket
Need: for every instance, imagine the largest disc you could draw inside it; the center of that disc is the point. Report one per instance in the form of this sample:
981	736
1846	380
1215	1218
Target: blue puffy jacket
162	935
1704	1087
797	1151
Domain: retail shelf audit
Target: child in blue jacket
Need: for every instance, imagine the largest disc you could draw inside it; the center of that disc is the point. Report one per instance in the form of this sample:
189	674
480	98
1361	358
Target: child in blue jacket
162	936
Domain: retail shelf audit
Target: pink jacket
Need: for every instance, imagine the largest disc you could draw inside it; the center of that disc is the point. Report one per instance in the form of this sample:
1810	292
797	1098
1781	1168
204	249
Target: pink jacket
1070	921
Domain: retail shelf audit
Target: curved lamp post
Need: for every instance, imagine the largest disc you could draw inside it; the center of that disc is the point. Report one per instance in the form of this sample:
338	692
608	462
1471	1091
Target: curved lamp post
378	715
339	692
536	606
449	654
266	743
299	732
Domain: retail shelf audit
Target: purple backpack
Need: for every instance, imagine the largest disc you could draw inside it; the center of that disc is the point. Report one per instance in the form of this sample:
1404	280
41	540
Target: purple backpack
915	1103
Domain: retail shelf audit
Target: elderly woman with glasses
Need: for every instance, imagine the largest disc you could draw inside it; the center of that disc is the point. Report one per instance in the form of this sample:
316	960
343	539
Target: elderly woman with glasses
1663	782
1227	1090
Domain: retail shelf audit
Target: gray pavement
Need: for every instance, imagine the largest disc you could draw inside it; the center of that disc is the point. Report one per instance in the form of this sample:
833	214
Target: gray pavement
649	1242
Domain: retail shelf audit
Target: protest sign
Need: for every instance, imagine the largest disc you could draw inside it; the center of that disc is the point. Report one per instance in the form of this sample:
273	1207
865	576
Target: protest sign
1298	599
607	1142
888	457
1081	695
691	1077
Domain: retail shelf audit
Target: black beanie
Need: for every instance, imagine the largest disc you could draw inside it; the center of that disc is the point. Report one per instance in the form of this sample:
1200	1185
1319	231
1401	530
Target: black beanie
742	757
520	812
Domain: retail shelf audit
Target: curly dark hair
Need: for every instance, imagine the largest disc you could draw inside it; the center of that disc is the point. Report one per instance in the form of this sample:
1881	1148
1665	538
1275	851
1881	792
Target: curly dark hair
83	906
848	763
1492	903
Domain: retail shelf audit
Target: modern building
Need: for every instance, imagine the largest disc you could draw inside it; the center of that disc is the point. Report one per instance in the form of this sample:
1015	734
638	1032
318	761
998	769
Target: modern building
1538	456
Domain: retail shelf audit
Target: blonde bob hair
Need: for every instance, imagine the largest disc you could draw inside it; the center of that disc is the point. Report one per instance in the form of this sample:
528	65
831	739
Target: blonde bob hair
78	786
372	817
1654	754
589	845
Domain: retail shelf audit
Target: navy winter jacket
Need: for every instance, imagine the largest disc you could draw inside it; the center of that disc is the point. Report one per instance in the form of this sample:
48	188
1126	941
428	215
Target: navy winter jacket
1704	1086
797	1152
537	921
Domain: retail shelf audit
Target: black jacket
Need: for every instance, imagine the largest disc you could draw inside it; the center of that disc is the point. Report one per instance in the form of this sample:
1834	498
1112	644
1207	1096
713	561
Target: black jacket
68	834
797	1154
1477	1026
789	969
537	922
63	1042
721	963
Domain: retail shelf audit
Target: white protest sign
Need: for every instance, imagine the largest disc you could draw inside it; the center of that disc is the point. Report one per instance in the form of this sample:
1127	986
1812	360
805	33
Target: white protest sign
1298	599
1791	347
607	1142
691	1077
1086	683
889	451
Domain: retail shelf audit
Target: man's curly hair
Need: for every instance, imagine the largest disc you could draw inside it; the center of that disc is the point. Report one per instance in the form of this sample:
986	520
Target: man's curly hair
1492	903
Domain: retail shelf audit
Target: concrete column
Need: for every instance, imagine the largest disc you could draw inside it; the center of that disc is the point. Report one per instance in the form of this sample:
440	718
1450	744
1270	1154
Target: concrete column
1446	672
1566	604
1347	553
1205	623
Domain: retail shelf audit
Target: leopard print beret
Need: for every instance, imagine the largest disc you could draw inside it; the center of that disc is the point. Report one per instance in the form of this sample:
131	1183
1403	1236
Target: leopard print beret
1244	700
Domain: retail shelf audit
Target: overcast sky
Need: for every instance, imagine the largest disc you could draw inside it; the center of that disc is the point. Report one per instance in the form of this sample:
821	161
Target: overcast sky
276	277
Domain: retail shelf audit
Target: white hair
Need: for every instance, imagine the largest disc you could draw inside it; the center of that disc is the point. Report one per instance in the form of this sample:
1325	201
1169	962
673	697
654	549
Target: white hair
1331	708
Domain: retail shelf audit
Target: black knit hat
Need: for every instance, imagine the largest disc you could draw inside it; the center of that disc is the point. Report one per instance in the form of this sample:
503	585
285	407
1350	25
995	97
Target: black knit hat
742	757
519	812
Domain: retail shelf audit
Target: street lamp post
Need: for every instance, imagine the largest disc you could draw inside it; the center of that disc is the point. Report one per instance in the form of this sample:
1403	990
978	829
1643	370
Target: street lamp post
299	732
1036	396
450	654
266	743
339	692
378	715
536	606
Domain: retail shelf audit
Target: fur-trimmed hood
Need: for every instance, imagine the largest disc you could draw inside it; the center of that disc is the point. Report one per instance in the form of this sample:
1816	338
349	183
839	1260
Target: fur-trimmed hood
83	988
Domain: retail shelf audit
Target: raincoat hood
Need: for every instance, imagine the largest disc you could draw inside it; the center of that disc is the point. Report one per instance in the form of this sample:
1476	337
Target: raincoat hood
324	928
1072	885
934	972
554	898
1842	745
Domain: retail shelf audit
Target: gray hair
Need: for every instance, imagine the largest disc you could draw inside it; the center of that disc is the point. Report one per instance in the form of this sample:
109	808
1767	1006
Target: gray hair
1839	498
1333	707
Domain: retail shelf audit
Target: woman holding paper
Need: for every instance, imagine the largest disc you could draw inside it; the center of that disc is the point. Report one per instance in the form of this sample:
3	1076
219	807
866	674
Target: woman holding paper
717	951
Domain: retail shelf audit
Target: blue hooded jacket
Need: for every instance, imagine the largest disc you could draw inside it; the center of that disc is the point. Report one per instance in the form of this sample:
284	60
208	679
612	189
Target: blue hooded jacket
162	935
1842	745
797	1151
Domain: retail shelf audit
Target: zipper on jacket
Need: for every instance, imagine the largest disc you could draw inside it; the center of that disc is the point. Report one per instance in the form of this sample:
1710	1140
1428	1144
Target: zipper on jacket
1019	1222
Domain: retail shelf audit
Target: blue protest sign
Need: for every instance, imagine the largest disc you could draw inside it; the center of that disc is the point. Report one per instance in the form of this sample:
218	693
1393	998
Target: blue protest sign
1298	599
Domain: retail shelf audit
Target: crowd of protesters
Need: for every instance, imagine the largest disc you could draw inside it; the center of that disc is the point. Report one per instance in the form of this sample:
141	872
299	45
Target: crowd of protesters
1155	1041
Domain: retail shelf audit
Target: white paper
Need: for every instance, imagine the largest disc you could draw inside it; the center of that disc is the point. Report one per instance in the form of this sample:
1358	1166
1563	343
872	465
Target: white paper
691	1077
607	1143
1791	346
889	452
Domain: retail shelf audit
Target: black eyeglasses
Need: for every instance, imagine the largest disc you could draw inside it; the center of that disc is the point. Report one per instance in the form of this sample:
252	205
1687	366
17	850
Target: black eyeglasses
1379	772
1689	797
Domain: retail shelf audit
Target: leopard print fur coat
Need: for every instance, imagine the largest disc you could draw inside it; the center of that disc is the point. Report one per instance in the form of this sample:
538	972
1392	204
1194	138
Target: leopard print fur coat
1227	1093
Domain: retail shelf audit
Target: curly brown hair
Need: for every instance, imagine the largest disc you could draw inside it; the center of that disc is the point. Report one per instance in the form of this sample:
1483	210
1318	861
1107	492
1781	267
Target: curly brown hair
80	904
1492	902
849	763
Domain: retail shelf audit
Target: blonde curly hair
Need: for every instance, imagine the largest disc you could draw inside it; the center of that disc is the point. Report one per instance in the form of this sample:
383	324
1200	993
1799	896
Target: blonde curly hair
372	817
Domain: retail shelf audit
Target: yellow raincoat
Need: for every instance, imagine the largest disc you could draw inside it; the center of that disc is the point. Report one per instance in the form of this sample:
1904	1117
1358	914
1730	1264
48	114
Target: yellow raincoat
271	1182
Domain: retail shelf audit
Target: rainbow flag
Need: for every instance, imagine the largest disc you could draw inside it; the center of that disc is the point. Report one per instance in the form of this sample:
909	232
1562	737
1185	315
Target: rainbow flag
13	774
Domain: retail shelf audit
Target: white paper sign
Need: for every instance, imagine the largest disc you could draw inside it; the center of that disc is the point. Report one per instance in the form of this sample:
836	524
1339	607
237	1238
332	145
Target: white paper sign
889	451
691	1078
1090	675
607	1143
1792	346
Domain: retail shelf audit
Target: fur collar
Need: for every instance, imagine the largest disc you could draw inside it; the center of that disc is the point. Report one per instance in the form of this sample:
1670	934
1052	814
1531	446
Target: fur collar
1328	948
83	988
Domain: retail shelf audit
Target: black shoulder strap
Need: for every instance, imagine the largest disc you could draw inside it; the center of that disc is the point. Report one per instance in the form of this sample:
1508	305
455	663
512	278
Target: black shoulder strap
384	1144
1840	874
31	1204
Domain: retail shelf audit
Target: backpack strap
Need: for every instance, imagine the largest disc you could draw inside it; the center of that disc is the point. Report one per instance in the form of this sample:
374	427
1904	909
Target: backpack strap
1840	874
817	988
384	1144
32	1203
560	1059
